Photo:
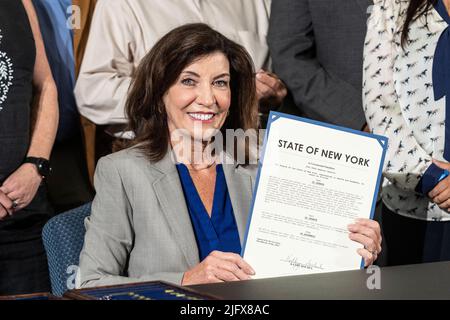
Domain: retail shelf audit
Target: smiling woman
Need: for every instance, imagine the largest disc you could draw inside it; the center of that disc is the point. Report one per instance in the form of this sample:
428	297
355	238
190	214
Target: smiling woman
193	74
181	221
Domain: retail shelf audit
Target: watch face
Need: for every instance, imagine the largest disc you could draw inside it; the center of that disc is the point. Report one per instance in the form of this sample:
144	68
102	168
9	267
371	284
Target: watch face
44	168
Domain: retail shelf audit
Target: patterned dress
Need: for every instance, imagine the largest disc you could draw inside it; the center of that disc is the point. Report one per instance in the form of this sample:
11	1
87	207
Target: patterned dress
405	99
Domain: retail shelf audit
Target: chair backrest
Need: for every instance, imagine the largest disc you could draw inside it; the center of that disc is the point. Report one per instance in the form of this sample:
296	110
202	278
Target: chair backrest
63	238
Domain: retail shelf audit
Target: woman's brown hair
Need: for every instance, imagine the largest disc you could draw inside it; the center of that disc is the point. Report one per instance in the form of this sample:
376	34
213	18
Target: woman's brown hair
161	68
416	9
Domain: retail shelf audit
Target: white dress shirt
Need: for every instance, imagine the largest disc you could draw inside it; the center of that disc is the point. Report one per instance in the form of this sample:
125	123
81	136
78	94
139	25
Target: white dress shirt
124	31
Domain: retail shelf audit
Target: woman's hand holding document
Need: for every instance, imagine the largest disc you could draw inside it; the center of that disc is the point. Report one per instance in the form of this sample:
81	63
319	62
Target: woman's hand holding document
315	194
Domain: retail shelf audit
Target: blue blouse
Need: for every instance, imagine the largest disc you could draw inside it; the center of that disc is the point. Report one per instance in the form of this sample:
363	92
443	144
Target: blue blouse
218	232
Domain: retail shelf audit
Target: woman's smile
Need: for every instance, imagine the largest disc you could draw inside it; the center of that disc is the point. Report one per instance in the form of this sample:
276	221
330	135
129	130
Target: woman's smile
204	117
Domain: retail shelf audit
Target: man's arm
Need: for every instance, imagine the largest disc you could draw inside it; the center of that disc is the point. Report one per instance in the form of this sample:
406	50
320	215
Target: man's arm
108	64
320	94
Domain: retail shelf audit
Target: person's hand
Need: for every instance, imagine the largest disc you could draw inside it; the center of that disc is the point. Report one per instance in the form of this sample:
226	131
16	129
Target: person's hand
218	267
5	206
368	233
270	90
22	185
441	192
366	128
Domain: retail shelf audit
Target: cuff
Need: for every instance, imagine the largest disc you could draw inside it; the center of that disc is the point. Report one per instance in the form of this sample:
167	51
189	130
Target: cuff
430	179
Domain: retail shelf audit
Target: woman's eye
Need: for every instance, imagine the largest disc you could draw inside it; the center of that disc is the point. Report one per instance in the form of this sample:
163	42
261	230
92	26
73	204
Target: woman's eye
221	83
188	82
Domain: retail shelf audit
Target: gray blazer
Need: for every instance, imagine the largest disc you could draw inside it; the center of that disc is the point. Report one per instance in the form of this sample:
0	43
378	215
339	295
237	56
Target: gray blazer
140	229
317	50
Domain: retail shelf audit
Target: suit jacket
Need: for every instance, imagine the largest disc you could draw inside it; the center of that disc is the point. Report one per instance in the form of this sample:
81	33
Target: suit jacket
317	50
139	228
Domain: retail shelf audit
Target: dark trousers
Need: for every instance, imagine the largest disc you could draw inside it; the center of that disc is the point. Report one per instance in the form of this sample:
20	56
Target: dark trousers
68	185
23	268
412	241
23	261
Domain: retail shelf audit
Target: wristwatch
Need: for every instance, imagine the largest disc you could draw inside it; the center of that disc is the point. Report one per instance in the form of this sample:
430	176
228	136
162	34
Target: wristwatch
42	165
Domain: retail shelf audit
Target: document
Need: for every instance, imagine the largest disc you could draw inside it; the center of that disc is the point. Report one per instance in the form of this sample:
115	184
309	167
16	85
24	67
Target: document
314	180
